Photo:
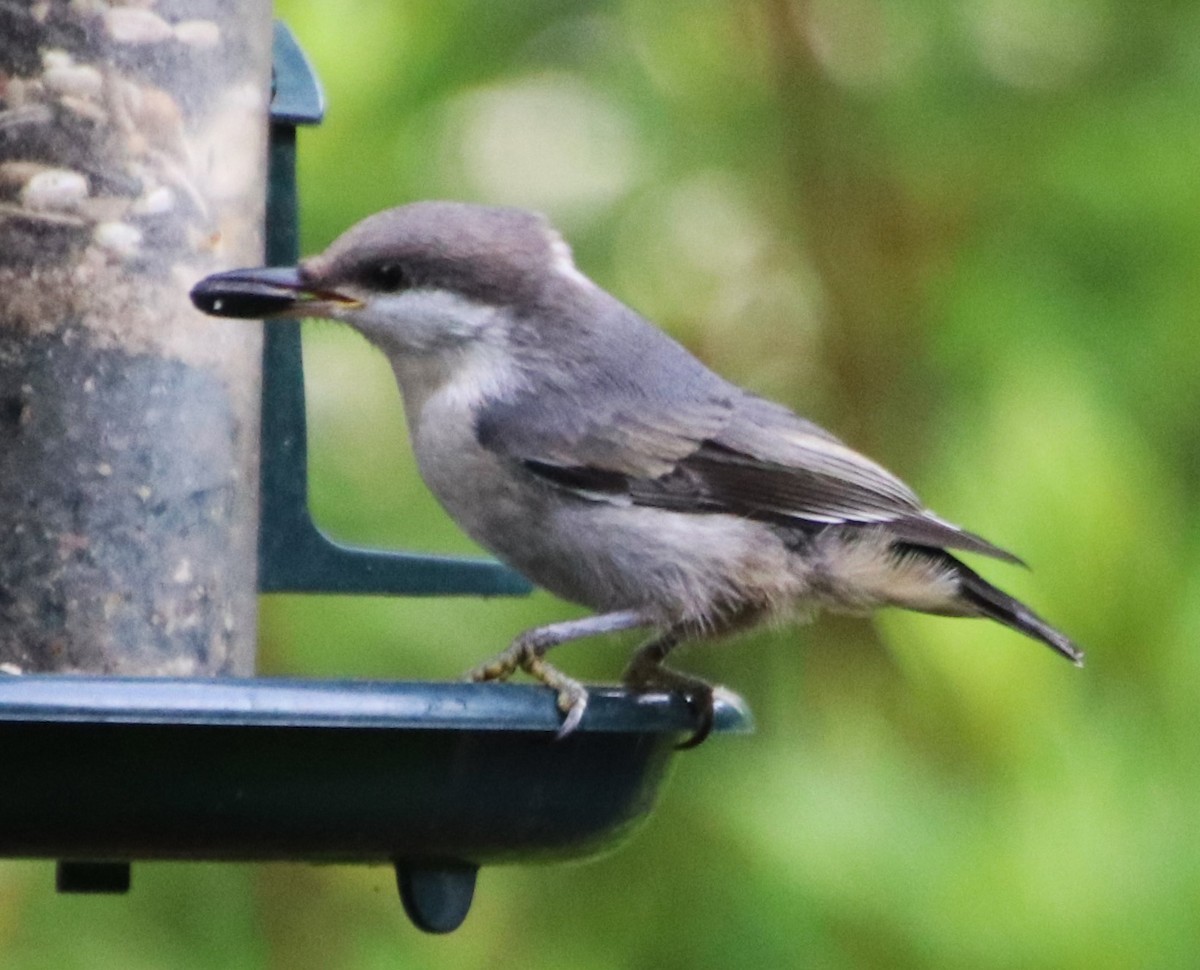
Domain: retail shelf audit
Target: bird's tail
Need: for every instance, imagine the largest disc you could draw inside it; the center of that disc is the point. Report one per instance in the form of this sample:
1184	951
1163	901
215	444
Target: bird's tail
986	600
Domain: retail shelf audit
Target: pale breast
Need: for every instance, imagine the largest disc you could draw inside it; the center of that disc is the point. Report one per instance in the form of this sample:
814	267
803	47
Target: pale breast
602	555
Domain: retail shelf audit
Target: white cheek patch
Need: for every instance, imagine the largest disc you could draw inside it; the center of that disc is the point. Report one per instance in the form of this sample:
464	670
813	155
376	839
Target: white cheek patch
452	375
422	321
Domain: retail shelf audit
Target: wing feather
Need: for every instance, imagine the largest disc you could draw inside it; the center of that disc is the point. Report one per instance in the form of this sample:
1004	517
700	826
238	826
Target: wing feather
664	431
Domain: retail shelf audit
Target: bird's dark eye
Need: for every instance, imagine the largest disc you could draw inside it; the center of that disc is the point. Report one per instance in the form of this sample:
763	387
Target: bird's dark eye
389	277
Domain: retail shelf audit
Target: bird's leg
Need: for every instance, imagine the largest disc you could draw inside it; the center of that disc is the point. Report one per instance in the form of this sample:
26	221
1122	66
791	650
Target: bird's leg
646	671
526	653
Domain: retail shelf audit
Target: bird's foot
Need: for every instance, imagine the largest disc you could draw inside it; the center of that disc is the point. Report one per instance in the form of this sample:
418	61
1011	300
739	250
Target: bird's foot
699	694
500	667
525	653
572	695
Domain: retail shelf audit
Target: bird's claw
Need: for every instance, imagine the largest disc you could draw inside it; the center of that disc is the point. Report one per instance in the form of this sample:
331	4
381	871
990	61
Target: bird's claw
517	656
699	694
486	671
572	695
572	703
701	702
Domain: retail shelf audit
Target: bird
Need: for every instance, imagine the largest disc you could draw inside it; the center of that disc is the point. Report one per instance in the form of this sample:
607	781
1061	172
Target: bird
594	454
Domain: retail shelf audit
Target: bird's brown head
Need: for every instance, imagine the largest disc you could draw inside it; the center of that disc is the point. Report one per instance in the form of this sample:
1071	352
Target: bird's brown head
417	277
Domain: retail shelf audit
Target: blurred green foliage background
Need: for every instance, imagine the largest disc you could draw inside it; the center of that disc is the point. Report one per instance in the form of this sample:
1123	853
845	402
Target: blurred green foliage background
964	236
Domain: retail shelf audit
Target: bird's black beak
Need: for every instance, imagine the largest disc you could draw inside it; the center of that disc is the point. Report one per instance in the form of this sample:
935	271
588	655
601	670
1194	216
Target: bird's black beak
258	294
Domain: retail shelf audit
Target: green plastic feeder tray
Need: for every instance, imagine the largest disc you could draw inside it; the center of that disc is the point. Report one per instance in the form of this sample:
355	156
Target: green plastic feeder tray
435	779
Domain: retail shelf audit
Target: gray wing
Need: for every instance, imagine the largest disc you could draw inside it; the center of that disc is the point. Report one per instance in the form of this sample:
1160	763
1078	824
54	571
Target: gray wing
663	431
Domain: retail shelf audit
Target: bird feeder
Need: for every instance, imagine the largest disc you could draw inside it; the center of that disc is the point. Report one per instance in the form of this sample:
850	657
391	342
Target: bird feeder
153	480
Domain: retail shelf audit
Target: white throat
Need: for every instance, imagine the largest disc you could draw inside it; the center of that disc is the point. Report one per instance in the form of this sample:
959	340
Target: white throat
454	379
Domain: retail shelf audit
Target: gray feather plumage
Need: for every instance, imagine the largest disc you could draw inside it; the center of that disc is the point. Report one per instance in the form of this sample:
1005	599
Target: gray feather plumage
657	428
592	452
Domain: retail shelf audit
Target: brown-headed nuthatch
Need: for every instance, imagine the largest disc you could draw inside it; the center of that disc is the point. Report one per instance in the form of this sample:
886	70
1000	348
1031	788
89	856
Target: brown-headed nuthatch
591	452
